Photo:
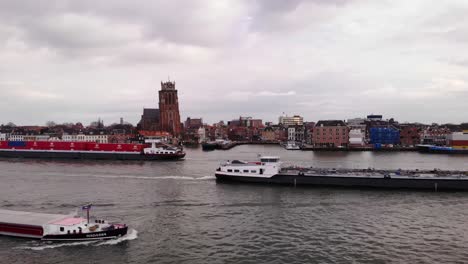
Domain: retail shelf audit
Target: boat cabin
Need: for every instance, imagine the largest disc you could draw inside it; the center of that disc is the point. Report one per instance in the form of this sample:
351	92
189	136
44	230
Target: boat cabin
266	166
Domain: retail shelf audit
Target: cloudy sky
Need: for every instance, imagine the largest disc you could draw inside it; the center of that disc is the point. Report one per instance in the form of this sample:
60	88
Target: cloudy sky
70	61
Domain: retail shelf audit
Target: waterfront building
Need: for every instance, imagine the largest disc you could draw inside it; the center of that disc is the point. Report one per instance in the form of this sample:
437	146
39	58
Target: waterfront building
296	133
356	123
4	136
193	123
201	134
238	133
308	132
384	135
295	120
458	140
357	137
330	133
435	135
98	138
410	135
120	138
268	134
373	117
193	129
16	137
36	138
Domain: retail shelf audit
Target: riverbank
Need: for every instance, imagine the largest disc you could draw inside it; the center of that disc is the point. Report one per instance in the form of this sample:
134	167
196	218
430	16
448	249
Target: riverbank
233	144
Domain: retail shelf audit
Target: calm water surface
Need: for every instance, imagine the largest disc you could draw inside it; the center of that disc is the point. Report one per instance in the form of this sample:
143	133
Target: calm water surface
179	214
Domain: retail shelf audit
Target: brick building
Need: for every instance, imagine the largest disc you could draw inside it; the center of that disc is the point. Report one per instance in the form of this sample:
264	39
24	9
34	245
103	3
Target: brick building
410	135
330	133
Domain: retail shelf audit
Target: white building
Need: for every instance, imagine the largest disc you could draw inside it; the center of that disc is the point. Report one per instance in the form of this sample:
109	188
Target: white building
85	138
36	137
3	136
291	133
356	137
296	133
16	138
291	120
356	123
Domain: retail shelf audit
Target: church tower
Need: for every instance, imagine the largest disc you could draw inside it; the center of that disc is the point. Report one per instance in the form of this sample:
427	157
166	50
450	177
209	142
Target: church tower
169	109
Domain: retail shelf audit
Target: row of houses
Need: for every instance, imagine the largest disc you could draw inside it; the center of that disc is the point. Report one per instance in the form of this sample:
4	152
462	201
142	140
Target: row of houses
356	132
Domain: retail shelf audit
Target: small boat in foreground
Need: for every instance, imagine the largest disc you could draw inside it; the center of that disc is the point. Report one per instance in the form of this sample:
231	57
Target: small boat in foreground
270	170
57	227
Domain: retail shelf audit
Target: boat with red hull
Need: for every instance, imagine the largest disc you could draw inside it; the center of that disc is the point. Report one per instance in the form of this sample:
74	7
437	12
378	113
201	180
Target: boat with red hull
152	150
57	227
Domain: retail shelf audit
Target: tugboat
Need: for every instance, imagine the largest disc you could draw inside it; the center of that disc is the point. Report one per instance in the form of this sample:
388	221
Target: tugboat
56	227
269	170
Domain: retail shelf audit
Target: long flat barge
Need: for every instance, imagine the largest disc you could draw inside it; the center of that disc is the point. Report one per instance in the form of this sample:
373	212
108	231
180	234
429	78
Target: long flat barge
89	150
269	170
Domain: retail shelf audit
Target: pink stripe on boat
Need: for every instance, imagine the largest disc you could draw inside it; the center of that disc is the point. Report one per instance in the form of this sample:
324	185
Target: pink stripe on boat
69	221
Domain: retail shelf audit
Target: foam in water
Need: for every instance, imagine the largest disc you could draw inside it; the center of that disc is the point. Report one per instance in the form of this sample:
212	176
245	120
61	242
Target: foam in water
58	245
131	235
175	177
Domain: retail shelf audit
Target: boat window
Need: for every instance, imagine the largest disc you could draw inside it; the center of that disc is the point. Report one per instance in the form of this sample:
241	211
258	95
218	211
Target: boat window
269	160
229	170
236	170
246	170
253	171
62	229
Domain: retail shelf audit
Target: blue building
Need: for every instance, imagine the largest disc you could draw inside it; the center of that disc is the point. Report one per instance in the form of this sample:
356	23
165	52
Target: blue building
384	135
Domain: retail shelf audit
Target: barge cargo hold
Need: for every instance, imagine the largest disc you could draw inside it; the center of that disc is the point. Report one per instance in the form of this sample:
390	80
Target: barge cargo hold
57	227
153	150
270	171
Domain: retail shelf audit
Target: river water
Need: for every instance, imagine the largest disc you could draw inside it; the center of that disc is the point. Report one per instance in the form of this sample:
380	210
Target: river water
179	214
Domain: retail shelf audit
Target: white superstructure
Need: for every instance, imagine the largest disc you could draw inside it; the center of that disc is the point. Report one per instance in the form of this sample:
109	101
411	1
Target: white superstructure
162	149
266	167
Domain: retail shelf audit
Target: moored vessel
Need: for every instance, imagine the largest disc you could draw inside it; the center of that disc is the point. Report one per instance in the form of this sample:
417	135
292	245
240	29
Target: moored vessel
270	170
441	149
153	150
291	145
57	227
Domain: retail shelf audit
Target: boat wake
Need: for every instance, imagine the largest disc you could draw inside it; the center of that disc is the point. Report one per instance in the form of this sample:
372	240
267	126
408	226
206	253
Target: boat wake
131	235
52	245
175	177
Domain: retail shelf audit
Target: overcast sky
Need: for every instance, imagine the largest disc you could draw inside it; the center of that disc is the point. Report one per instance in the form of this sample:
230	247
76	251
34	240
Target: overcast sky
71	61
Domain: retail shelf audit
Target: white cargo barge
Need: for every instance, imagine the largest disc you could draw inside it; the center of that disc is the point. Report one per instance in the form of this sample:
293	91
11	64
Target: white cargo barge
57	227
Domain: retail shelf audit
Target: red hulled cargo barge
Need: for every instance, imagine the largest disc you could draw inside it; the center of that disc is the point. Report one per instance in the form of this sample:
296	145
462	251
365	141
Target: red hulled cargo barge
152	150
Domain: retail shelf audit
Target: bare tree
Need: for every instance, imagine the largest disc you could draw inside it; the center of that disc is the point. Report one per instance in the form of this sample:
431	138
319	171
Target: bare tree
50	124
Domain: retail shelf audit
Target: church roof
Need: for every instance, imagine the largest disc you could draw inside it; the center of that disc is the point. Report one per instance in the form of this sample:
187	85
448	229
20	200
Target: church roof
150	113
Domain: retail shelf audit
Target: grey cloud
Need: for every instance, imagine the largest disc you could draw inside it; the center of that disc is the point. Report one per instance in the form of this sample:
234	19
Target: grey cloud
105	58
